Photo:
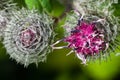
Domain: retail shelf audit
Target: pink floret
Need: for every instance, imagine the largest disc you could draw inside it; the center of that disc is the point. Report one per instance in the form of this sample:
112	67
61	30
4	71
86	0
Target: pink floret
87	40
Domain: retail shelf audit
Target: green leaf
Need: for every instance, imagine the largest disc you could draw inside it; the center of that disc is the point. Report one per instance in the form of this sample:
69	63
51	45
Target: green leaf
57	9
46	5
33	4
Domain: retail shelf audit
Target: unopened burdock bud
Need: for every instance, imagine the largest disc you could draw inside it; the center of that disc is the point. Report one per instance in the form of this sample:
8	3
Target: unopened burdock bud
28	36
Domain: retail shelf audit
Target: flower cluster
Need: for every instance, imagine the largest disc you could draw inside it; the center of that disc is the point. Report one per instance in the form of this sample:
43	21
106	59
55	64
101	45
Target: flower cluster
90	30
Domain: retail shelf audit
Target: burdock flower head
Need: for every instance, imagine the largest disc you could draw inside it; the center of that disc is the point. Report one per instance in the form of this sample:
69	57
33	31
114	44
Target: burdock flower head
89	32
87	38
28	35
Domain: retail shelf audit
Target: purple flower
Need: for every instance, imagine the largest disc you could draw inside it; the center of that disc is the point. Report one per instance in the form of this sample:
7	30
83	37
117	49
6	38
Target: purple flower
87	40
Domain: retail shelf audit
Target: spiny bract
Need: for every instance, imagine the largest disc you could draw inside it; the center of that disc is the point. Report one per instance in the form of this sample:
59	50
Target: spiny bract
3	22
7	4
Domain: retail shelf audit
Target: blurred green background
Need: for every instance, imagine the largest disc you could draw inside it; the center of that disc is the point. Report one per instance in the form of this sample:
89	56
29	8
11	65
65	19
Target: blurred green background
58	66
